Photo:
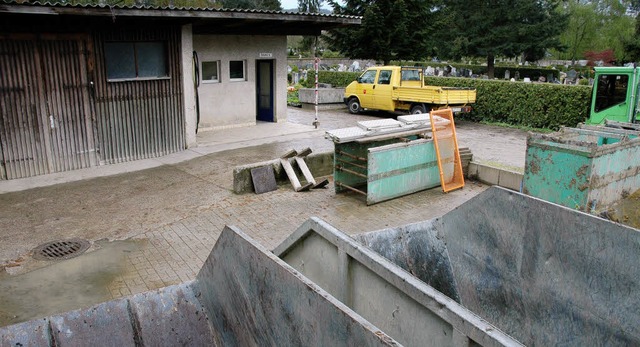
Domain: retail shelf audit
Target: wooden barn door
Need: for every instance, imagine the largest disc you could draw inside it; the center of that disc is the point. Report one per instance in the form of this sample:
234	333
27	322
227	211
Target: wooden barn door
67	92
45	112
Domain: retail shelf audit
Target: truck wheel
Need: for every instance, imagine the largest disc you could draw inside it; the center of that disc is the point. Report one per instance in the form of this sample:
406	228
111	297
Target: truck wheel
418	109
354	106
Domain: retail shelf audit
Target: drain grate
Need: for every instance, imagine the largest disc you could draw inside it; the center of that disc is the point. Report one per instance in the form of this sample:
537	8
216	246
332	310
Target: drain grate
60	250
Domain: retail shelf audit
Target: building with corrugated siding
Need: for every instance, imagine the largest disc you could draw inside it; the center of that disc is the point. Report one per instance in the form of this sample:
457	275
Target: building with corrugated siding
89	85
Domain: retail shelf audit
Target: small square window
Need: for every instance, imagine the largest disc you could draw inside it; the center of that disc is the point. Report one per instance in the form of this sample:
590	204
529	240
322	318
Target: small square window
237	70
211	71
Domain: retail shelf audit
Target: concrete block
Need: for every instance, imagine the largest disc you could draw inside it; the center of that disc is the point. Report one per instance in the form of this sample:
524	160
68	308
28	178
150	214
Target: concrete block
104	324
171	316
31	333
472	170
325	95
511	180
488	174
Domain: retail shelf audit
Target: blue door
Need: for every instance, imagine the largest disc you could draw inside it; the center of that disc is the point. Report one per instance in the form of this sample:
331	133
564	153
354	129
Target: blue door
264	90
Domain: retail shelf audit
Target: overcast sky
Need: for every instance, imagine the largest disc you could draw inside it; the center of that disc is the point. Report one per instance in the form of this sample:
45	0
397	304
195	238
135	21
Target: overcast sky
289	4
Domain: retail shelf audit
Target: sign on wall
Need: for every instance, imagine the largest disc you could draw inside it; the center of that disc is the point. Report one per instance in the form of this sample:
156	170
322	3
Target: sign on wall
266	55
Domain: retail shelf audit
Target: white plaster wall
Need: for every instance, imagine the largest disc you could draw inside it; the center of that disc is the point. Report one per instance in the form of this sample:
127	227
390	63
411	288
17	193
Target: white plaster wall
189	90
230	103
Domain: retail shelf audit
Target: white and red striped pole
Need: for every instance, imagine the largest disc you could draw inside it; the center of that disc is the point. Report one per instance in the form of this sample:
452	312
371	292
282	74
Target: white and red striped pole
316	122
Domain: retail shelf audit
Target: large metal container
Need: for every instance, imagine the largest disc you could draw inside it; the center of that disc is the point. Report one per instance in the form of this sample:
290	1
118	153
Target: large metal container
585	168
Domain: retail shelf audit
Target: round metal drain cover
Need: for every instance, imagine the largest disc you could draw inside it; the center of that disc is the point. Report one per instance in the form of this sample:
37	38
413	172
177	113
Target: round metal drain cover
60	250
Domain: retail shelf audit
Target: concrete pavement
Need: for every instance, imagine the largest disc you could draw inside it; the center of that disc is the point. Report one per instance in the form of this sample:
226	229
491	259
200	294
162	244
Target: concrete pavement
173	208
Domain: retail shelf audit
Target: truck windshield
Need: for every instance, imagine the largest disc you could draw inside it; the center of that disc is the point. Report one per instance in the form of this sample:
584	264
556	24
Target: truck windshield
367	77
611	91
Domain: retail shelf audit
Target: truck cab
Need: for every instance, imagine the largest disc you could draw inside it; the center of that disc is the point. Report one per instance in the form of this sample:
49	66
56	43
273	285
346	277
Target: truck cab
373	89
615	95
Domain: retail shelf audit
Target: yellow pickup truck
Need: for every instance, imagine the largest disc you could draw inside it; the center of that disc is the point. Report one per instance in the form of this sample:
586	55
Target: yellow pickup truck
395	88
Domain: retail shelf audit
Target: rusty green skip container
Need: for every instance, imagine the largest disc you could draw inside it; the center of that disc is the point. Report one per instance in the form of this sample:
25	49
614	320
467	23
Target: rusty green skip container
586	168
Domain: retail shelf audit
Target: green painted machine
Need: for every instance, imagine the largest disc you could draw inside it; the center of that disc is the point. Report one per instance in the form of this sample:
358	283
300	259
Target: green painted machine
615	95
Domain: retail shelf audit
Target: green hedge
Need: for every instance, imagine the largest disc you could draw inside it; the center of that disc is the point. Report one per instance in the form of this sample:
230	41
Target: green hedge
336	79
537	105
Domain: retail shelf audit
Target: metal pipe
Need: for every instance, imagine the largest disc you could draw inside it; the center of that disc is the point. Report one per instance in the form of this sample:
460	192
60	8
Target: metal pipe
351	188
352	163
350	155
340	168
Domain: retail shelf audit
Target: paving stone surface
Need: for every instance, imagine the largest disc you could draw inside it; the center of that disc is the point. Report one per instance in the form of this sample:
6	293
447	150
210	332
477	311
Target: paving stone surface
177	211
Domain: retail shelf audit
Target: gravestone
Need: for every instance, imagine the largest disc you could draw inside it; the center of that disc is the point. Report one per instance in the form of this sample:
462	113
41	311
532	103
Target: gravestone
264	180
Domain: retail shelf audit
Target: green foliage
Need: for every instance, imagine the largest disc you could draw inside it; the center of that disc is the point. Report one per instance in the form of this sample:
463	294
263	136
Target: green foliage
535	105
312	6
292	98
327	53
632	44
253	4
391	29
596	26
501	28
337	79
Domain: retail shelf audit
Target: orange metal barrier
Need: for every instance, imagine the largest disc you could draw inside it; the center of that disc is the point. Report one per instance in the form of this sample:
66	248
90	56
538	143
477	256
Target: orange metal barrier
446	145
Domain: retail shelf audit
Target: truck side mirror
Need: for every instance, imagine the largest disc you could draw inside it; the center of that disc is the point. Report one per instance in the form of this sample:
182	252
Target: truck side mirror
359	80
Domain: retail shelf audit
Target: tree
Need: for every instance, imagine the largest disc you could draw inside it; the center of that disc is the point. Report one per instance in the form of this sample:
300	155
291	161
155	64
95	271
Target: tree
390	30
508	28
309	43
253	4
311	6
632	45
597	25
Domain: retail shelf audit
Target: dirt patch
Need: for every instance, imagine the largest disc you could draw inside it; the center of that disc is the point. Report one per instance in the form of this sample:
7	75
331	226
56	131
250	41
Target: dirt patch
626	211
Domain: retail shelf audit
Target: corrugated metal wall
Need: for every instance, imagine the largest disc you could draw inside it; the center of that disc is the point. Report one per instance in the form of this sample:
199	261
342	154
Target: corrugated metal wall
53	119
144	118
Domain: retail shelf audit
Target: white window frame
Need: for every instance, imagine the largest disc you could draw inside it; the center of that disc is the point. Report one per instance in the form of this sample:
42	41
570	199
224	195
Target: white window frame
244	71
210	80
